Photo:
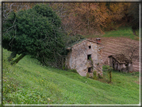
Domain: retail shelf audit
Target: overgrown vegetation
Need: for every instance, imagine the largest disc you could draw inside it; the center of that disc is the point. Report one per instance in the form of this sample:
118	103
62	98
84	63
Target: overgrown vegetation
106	78
109	70
94	75
28	82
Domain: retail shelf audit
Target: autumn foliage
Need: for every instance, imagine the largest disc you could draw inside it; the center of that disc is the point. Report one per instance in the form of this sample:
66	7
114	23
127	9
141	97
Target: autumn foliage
89	18
94	18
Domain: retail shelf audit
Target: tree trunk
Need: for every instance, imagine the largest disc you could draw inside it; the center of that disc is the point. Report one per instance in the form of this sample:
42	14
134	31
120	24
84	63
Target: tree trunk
18	59
13	55
88	18
110	76
134	32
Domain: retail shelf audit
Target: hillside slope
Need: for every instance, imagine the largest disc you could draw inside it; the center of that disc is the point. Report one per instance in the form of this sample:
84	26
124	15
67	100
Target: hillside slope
28	82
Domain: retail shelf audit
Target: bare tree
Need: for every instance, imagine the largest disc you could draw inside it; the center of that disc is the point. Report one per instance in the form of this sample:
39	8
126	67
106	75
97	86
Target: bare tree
131	51
7	8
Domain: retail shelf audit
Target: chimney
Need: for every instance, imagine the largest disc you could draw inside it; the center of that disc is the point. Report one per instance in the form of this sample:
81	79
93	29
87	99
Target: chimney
98	40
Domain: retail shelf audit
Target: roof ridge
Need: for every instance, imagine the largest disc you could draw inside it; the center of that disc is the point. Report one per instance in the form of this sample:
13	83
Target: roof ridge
76	42
121	58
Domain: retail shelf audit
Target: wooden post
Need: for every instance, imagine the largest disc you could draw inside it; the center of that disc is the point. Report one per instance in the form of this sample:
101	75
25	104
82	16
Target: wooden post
110	76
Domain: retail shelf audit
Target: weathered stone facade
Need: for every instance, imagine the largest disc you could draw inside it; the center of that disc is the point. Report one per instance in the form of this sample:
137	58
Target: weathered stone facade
85	57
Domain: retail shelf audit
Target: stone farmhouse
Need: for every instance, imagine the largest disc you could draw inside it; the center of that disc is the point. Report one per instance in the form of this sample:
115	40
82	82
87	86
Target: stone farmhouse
120	63
86	57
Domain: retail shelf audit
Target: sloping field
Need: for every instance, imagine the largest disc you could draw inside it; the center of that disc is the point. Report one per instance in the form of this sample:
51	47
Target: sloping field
118	45
28	82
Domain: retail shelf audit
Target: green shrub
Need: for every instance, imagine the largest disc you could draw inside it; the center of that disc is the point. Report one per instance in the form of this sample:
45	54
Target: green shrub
99	76
63	66
108	69
74	70
87	75
94	75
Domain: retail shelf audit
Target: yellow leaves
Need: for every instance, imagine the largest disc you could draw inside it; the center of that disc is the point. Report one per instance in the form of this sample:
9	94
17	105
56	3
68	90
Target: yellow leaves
118	10
93	15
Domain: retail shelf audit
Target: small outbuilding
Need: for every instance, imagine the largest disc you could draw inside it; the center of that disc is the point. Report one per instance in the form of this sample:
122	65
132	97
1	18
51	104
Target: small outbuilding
120	62
85	56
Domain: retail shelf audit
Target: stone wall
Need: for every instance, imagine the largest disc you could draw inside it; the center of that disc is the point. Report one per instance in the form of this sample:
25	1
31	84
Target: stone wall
77	58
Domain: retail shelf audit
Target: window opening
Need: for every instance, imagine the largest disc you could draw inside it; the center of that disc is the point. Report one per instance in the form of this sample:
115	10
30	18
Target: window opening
89	47
90	70
89	56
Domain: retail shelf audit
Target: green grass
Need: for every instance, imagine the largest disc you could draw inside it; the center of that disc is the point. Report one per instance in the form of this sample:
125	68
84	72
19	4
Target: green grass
122	32
28	82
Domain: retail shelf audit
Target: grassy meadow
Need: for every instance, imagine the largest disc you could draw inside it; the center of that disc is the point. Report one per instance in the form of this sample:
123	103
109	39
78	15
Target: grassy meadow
120	32
28	82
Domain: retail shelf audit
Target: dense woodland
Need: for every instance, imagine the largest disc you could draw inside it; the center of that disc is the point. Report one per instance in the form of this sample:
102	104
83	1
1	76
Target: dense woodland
87	18
66	22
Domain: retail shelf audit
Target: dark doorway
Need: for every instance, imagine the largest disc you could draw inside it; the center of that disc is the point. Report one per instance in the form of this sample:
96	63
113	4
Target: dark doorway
113	64
89	47
89	69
